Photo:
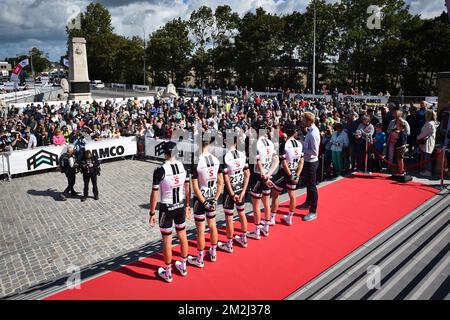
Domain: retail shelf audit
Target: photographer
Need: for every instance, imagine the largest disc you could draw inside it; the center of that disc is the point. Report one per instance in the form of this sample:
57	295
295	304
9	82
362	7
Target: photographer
68	166
5	141
90	167
18	141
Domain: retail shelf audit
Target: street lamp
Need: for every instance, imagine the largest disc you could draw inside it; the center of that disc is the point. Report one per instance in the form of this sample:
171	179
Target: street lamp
145	46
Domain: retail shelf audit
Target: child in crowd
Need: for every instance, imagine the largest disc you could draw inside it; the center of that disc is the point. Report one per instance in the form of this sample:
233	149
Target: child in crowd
400	146
378	144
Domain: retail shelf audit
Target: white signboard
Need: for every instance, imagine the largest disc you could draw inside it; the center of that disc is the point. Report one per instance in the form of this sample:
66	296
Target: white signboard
137	87
266	95
118	85
311	97
113	148
34	160
363	99
43	158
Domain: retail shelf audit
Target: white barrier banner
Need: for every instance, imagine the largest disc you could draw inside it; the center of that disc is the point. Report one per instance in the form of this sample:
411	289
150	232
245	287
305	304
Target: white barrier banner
113	148
118	85
188	91
363	99
24	161
60	104
137	87
266	95
34	160
311	97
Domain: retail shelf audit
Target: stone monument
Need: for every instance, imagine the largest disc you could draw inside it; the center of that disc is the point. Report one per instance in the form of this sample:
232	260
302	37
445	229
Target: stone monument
78	70
170	92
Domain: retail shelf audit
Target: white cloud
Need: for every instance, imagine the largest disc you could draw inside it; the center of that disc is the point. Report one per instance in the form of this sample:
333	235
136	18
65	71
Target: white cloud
427	9
42	22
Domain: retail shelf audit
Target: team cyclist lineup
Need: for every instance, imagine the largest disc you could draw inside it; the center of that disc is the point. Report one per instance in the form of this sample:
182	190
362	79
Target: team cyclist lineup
273	173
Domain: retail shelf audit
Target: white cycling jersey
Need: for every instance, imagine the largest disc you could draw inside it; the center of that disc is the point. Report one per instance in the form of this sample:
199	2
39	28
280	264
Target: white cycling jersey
206	172
169	179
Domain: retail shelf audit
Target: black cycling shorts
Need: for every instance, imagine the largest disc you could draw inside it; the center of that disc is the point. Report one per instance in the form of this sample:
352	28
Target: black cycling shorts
281	182
259	188
200	212
170	214
228	204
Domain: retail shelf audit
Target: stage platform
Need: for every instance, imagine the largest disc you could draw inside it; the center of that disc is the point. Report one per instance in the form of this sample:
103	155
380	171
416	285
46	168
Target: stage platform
363	221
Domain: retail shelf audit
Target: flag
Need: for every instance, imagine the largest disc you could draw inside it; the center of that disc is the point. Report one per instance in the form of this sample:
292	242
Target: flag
18	69
66	62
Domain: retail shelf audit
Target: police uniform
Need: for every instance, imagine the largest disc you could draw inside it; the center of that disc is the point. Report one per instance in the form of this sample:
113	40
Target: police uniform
292	152
206	171
265	152
234	165
170	179
90	174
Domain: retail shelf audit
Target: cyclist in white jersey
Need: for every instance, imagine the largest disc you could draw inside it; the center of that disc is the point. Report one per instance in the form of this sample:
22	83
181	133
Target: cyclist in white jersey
266	163
236	176
291	156
207	183
172	182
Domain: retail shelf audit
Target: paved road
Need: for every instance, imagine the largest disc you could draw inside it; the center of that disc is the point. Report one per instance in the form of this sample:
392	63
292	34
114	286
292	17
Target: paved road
41	237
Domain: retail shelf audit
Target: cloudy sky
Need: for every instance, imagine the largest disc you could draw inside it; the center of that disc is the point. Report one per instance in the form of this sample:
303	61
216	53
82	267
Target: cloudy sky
40	23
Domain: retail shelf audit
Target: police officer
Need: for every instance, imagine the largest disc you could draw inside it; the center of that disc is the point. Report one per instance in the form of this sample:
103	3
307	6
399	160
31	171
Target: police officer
90	168
68	166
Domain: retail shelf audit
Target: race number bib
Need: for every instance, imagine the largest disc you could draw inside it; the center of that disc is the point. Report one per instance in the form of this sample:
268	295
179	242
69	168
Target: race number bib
209	193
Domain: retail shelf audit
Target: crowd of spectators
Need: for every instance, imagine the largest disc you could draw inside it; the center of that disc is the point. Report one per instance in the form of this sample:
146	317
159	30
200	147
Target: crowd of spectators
387	134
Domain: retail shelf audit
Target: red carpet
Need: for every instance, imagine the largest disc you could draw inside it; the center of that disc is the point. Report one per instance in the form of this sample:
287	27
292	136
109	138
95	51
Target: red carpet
351	211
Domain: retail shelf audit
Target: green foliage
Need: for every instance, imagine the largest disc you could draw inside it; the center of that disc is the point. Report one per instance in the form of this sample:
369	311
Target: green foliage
262	50
169	53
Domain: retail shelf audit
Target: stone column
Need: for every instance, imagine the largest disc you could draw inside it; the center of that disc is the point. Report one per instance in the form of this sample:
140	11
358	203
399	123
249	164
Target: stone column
78	70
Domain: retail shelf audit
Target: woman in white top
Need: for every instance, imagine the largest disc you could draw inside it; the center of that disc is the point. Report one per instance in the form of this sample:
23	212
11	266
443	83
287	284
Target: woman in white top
427	141
339	140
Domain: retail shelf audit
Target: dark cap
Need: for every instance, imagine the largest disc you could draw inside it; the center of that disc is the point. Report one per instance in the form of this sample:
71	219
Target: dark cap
169	147
259	125
290	128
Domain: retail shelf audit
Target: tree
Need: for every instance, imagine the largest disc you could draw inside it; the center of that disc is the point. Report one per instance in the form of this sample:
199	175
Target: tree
169	52
200	23
101	42
371	58
258	48
223	36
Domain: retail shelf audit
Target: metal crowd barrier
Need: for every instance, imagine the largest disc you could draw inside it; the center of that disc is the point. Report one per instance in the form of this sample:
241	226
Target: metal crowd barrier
4	164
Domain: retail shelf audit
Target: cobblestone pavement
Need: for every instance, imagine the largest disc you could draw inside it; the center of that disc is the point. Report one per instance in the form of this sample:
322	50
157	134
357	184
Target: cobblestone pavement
41	237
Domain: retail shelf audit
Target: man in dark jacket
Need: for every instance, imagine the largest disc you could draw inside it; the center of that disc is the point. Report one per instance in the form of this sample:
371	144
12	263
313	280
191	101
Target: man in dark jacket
90	168
68	166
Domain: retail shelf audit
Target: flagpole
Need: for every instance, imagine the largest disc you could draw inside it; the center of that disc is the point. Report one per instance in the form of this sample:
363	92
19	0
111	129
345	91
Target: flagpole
33	75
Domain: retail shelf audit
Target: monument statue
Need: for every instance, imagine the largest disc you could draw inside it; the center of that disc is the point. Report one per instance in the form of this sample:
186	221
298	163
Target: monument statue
78	70
170	92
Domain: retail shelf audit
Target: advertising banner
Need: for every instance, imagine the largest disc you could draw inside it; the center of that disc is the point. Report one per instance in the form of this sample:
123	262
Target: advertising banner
363	99
311	97
24	161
